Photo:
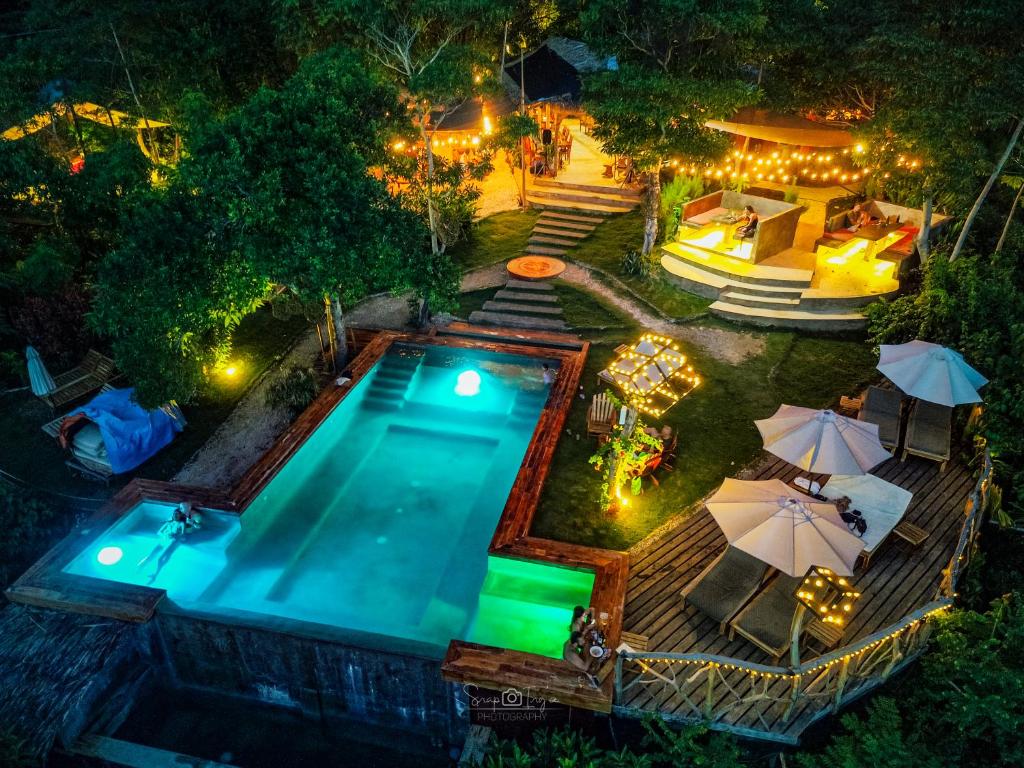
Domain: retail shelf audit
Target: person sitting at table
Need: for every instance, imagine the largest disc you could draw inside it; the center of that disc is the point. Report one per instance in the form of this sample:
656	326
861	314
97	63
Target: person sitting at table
858	217
748	224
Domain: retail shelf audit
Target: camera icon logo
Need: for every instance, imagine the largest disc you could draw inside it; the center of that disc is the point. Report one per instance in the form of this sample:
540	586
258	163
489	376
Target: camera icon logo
511	697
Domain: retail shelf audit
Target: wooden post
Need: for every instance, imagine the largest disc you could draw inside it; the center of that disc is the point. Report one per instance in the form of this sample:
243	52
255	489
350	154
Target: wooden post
618	677
709	694
794	695
794	647
844	671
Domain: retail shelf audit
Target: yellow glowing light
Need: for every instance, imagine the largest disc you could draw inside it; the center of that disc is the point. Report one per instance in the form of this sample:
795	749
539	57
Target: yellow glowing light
231	370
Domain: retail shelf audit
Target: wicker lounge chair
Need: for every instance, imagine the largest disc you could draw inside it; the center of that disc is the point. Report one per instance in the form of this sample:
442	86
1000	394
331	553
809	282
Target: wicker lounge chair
767	620
80	382
725	586
601	416
929	432
883	407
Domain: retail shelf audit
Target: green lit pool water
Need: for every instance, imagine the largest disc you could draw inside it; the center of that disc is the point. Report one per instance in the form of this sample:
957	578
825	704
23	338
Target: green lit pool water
377	529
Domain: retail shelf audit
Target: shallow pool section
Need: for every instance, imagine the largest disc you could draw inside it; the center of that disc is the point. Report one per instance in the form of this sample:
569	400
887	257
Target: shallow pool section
377	528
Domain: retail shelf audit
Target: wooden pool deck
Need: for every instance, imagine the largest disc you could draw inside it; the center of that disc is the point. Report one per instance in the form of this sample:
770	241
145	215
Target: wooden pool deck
898	580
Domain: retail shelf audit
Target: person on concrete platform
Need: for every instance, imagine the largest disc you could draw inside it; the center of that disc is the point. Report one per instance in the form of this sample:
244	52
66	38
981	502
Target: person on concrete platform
748	223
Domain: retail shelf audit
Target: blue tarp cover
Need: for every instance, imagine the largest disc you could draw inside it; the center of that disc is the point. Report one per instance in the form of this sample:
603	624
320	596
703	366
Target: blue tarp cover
131	433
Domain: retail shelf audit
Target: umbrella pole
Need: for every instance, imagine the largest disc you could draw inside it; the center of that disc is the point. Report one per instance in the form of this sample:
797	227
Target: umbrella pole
794	648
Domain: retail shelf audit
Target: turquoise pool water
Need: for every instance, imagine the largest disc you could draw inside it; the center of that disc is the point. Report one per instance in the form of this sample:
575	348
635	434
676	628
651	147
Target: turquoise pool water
377	529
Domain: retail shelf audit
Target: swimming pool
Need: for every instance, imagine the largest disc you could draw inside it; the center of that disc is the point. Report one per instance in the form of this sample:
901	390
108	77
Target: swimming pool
377	527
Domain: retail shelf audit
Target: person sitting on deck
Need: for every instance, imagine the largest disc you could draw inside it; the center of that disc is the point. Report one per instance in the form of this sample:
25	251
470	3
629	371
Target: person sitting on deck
748	224
581	618
575	653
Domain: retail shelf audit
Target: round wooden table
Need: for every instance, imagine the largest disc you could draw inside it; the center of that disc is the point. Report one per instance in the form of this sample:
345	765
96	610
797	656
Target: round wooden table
535	267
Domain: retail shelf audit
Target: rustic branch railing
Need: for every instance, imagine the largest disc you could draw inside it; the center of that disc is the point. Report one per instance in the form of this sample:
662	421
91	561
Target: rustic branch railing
776	702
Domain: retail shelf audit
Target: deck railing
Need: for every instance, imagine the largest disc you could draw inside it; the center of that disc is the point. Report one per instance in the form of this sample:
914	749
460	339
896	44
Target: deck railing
778	703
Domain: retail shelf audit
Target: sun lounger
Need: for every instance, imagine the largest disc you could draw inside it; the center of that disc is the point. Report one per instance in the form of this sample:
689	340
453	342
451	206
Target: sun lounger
767	620
80	382
725	586
601	416
883	407
929	432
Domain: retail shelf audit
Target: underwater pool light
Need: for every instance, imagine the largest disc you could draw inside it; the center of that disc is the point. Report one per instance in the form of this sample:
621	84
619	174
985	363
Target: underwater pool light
110	555
468	384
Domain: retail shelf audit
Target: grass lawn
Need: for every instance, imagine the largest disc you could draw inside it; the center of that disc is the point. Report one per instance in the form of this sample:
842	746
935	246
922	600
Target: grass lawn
604	250
30	455
498	237
717	435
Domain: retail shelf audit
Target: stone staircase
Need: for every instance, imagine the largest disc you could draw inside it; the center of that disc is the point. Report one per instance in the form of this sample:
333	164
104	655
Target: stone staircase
777	297
581	199
522	304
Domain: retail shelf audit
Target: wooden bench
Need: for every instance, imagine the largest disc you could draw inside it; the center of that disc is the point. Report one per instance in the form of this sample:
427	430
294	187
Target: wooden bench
93	372
910	533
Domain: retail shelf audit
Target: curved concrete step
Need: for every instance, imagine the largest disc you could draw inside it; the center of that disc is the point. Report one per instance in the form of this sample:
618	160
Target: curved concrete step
763	302
515	306
738	271
789	318
516	321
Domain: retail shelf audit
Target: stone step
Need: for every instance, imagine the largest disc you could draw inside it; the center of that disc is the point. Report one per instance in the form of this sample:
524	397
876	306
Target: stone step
517	321
789	318
545	250
528	296
515	306
764	302
548	240
575	226
612	201
570	220
528	285
600	189
558	231
548	204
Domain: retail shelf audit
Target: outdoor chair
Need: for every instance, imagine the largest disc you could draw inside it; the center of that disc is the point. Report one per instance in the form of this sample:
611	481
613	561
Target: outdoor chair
93	372
767	620
883	407
601	416
725	586
929	432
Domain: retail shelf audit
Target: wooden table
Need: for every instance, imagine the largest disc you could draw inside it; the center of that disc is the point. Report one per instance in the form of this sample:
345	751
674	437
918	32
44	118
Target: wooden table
882	504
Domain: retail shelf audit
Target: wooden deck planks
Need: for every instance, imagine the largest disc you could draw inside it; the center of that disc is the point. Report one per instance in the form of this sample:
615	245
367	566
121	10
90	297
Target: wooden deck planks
899	579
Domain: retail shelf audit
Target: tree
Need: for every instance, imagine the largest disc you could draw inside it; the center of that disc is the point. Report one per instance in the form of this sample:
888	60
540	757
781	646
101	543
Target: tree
439	55
679	66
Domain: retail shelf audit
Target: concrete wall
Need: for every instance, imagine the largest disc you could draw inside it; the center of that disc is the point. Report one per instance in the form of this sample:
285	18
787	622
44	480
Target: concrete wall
322	679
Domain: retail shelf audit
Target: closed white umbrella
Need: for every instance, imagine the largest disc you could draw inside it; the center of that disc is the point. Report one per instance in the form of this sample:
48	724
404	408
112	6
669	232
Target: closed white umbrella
784	528
822	441
931	372
38	377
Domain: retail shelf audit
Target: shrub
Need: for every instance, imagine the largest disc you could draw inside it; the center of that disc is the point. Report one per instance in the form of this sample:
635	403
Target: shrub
13	372
681	190
635	264
14	753
55	325
28	527
294	391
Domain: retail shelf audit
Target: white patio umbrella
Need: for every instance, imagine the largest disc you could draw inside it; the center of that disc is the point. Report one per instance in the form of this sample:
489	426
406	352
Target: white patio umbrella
38	377
931	372
784	528
822	441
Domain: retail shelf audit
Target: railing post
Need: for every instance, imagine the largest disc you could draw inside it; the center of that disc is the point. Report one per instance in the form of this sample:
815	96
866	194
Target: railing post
618	678
794	695
844	671
894	656
709	694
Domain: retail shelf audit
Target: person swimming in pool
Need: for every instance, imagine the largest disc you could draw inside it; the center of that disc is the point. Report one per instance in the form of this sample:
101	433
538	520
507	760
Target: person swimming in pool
547	374
183	521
